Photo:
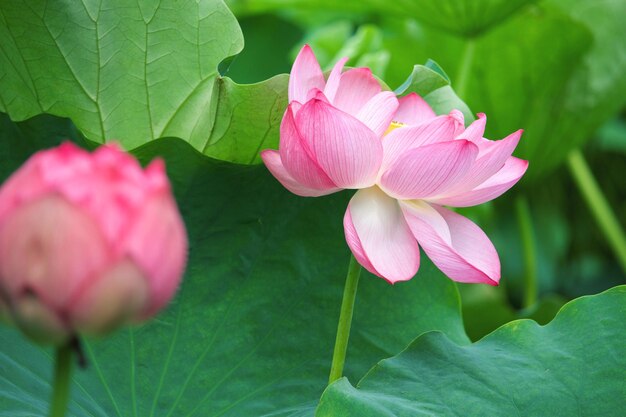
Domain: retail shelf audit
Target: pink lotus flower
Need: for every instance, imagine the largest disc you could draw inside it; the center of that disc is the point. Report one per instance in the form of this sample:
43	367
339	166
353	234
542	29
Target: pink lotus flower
406	163
87	242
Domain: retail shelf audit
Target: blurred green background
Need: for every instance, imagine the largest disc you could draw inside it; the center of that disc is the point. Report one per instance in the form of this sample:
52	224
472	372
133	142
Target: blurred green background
555	68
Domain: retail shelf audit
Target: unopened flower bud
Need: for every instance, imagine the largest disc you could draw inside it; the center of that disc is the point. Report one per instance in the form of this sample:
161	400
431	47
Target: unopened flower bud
88	242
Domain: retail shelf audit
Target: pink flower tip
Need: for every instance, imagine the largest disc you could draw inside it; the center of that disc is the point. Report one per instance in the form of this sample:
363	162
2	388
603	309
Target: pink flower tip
88	242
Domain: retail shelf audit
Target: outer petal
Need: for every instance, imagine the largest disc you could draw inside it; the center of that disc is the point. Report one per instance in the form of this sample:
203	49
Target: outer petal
117	297
379	236
488	163
50	249
272	161
456	245
413	110
297	158
305	75
347	150
378	112
494	187
356	87
403	139
429	170
157	245
42	173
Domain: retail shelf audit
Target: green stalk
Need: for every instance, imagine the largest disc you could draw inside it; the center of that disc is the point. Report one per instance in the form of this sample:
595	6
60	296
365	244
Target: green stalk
61	383
527	234
345	320
600	208
460	83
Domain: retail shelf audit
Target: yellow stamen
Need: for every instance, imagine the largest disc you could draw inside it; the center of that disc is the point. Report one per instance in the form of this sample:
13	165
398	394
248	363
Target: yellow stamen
393	126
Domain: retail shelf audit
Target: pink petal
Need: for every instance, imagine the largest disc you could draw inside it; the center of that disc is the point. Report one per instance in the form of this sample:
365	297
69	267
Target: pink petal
355	245
488	163
494	187
272	161
356	87
347	150
456	245
476	130
378	112
297	158
50	248
379	236
413	110
332	84
157	244
305	75
429	170
403	139
118	297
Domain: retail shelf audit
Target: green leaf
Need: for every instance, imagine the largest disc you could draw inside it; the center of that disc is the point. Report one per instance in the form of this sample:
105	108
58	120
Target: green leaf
135	72
432	83
251	330
478	299
597	90
524	84
247	120
573	366
461	17
555	70
529	73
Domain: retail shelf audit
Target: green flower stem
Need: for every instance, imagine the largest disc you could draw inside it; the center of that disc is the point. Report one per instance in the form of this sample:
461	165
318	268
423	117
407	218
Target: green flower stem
345	320
600	208
61	384
460	83
527	234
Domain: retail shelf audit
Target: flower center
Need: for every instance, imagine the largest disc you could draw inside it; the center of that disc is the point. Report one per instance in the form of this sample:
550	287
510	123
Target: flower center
393	126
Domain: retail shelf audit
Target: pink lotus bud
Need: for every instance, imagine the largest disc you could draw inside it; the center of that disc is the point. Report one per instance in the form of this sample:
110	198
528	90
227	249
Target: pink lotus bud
88	242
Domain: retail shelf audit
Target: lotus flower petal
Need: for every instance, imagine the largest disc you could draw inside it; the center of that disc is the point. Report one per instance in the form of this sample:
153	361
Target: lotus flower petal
488	163
305	75
429	170
495	186
298	159
332	84
379	236
273	162
403	139
413	110
356	87
378	112
347	150
455	244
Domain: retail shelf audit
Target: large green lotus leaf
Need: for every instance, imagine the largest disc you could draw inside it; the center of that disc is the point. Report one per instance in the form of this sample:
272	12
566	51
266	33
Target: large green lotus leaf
135	72
251	330
573	366
462	17
558	71
247	120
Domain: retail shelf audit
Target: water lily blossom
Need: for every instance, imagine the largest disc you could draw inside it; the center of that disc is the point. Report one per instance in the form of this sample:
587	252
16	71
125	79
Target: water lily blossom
88	242
406	162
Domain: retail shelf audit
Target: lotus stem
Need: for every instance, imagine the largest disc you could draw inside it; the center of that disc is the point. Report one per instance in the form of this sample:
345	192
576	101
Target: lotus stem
527	234
460	83
61	383
598	205
345	320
